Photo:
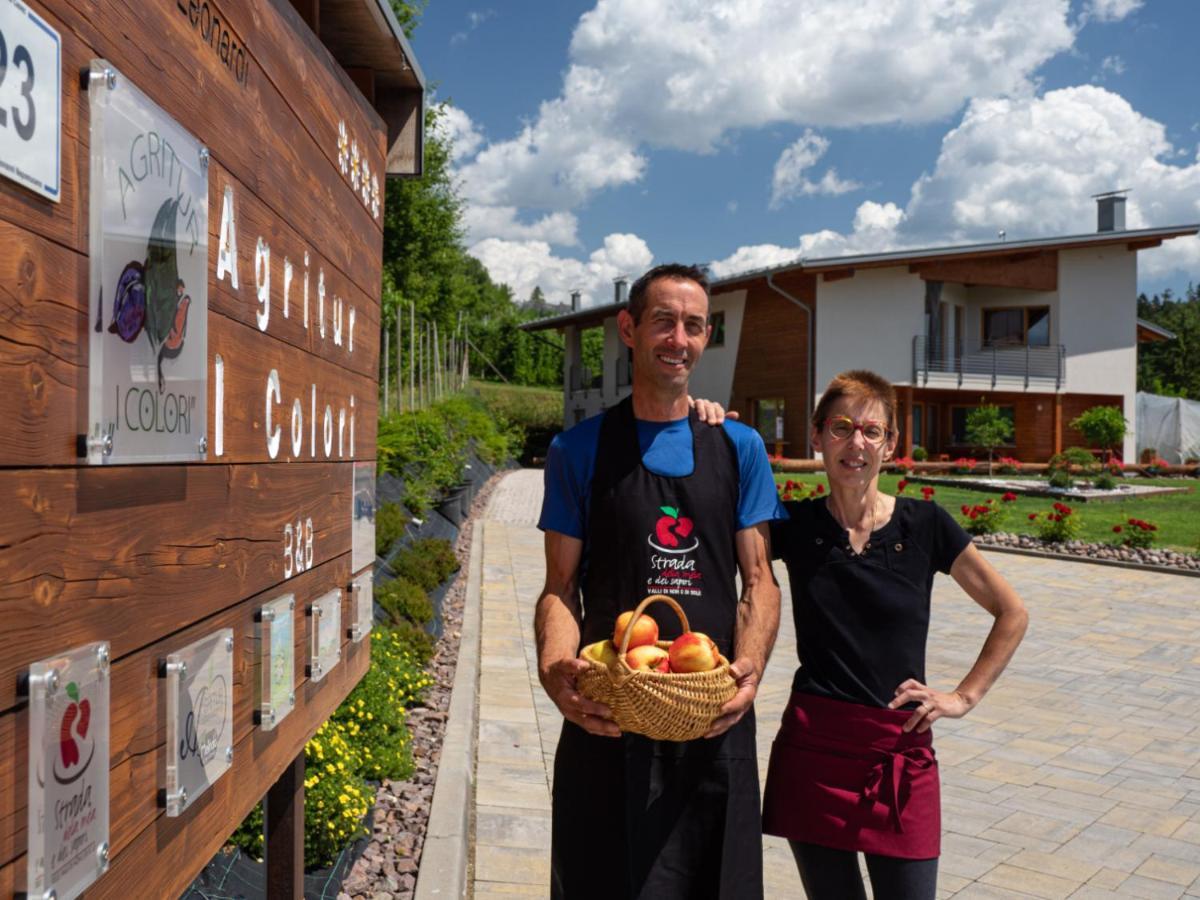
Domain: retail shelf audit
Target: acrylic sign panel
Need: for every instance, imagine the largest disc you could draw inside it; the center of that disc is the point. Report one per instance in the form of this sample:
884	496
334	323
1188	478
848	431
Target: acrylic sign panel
148	299
362	604
363	516
68	771
325	625
199	688
277	661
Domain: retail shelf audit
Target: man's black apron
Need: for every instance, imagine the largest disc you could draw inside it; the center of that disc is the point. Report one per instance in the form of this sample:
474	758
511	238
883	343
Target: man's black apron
634	817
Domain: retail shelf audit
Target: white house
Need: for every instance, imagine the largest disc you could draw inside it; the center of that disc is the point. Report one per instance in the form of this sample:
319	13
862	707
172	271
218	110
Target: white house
1042	328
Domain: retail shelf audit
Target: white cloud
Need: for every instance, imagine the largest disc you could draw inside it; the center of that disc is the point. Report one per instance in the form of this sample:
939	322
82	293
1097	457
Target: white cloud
502	222
523	265
789	179
1113	64
1110	10
456	126
1029	166
685	73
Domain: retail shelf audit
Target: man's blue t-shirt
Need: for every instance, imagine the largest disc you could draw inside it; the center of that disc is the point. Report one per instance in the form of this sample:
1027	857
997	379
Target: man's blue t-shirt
666	450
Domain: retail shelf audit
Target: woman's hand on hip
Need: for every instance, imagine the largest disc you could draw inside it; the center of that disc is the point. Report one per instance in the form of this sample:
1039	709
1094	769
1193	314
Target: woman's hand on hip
931	705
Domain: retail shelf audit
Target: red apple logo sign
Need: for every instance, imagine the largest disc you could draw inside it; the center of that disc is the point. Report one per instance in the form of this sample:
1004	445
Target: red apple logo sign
673	532
73	738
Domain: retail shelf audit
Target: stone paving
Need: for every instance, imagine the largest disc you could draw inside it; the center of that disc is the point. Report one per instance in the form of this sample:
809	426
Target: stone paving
1078	776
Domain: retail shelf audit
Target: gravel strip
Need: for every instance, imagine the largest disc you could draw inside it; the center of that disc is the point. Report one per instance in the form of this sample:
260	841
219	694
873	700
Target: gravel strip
387	869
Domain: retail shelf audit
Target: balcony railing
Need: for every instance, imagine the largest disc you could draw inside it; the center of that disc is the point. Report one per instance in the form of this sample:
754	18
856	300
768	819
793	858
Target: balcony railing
976	359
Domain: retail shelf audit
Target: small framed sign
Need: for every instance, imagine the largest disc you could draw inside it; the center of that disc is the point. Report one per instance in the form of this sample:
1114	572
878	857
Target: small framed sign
362	604
325	632
276	661
68	771
30	100
199	681
362	516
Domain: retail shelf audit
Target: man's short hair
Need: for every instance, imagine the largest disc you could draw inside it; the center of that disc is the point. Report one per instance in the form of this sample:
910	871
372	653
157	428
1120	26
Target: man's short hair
679	271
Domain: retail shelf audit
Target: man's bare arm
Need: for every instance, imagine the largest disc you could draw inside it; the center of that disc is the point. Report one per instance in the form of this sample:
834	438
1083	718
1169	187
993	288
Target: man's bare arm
757	622
556	625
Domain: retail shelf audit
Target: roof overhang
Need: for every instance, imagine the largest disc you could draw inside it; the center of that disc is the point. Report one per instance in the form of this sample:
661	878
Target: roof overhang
1149	333
581	318
1140	239
368	42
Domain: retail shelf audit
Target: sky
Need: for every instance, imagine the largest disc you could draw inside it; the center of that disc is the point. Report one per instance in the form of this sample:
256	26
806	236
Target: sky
595	139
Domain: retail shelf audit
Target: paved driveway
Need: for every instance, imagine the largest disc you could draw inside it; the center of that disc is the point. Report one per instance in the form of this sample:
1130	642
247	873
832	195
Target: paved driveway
1078	776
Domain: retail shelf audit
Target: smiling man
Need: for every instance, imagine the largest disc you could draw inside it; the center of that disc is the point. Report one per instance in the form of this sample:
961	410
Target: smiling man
646	499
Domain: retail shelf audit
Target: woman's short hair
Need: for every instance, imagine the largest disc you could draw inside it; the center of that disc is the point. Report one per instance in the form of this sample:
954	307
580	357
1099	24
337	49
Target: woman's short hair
858	384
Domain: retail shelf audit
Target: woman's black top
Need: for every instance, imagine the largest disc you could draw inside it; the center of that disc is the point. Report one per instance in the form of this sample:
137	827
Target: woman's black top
862	619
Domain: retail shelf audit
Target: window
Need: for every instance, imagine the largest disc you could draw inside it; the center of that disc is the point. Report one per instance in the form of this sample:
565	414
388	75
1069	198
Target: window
717	321
768	418
958	424
1017	326
917	431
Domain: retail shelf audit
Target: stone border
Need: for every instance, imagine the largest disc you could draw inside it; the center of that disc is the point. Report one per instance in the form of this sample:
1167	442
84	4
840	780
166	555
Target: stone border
445	856
973	483
1078	557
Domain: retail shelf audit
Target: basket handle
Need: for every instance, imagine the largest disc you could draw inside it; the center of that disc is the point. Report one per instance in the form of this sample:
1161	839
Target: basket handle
637	614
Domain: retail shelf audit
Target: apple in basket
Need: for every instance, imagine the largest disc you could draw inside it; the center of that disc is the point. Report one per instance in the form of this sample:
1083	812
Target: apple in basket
602	652
693	652
645	630
648	658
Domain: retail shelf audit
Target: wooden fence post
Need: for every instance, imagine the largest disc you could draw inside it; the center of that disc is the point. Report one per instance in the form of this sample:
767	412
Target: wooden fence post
283	833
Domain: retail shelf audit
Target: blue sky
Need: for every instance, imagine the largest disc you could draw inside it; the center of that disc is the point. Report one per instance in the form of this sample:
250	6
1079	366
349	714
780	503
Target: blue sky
598	138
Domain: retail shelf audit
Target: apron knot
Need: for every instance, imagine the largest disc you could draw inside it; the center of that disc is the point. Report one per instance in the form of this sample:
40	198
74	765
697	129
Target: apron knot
887	779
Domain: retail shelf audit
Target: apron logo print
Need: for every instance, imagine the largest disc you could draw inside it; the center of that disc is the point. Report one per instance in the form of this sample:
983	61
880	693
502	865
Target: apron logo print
672	532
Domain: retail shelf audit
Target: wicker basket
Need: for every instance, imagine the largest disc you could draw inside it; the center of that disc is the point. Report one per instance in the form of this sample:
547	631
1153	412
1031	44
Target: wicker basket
666	706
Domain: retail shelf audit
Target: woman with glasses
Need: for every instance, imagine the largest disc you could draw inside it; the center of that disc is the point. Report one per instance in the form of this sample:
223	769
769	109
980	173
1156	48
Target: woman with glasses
852	768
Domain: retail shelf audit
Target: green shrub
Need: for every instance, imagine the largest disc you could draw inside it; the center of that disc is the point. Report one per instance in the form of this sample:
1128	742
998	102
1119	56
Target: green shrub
1059	478
984	518
919	453
390	521
420	641
1057	526
427	562
404	601
1102	426
1137	533
1105	481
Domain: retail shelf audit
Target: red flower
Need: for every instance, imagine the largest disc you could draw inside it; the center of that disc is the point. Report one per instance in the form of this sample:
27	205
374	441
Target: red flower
973	514
1133	521
1032	516
1116	529
1009	497
966	509
901	485
927	492
1153	527
820	488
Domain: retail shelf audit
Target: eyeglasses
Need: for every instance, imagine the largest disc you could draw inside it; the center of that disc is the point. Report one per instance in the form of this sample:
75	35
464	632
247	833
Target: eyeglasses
842	428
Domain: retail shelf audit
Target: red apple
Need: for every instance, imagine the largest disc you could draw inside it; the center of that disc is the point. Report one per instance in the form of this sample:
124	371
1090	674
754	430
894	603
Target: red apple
648	658
602	652
693	652
645	630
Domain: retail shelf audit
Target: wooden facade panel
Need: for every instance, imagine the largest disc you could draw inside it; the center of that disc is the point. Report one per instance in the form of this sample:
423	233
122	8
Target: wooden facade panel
159	856
252	131
44	351
1034	420
137	729
775	329
131	554
255	220
1029	271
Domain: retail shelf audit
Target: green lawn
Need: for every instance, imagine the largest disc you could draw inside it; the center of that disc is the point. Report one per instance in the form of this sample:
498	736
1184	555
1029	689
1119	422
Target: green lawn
1176	515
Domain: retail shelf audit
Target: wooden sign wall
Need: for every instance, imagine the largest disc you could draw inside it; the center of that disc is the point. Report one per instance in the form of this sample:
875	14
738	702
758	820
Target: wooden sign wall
153	557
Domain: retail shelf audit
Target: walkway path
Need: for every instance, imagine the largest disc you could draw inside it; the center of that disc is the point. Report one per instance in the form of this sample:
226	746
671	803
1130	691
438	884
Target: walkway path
1079	776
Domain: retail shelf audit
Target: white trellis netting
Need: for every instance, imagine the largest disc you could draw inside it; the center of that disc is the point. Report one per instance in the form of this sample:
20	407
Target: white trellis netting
1169	425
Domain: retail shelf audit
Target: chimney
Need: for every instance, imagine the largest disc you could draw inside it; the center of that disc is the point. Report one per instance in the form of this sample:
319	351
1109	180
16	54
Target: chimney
1110	210
620	283
575	300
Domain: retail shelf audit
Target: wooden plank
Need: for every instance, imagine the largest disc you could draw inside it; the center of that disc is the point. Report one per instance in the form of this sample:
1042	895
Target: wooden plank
1031	272
162	857
137	733
89	554
283	821
837	275
296	177
43	360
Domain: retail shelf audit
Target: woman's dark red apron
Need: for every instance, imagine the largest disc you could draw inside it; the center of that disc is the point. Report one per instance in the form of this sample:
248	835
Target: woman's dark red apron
846	776
636	817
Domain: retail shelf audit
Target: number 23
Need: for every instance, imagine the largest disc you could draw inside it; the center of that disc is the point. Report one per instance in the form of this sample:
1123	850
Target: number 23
20	57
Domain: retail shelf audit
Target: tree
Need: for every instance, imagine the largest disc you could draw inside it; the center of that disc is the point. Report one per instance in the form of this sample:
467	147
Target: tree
1171	367
1103	427
989	428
